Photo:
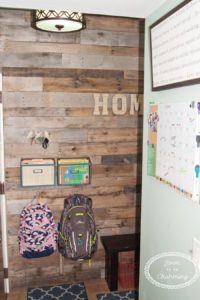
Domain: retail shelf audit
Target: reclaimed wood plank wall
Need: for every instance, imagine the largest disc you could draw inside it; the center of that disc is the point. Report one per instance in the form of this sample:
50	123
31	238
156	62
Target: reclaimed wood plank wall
49	82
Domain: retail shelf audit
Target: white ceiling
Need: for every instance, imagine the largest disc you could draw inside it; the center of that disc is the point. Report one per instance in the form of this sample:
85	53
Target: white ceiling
126	8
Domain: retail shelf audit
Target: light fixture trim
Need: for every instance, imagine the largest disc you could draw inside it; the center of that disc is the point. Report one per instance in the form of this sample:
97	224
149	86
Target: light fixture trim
58	21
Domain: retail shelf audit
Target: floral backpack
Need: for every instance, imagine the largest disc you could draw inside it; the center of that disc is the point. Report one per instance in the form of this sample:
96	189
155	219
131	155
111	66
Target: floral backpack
37	233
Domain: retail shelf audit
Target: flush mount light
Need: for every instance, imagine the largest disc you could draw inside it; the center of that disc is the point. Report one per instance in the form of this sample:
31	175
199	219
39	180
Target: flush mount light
58	21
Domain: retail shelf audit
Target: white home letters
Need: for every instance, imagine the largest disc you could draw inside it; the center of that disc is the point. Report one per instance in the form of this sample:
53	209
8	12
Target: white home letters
120	103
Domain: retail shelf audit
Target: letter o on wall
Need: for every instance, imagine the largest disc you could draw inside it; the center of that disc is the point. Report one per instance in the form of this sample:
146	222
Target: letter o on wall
119	104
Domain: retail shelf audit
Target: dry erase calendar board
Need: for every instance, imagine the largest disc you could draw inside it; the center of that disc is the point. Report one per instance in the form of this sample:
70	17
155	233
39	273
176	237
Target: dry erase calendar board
174	146
175	47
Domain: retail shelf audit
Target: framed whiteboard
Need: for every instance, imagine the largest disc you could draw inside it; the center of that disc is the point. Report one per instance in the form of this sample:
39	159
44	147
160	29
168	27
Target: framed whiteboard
175	47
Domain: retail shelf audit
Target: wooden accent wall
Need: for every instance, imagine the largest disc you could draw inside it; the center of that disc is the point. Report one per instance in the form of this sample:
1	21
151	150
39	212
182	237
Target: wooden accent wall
49	82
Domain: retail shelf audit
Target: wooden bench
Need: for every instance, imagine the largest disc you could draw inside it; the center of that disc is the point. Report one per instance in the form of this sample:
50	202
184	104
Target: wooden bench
113	244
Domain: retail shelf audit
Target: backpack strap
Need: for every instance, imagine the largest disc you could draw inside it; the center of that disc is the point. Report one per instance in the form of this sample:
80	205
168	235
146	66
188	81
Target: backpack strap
77	200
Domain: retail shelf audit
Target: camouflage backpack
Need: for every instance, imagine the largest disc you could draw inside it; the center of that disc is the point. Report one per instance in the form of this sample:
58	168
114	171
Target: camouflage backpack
37	233
77	232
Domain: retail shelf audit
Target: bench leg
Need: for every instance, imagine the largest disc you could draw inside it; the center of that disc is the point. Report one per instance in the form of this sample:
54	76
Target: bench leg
112	270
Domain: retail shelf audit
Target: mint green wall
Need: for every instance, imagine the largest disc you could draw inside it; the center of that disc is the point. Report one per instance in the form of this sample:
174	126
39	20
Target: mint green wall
169	220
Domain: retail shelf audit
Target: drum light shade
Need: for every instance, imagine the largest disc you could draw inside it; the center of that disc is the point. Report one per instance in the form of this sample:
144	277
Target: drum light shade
58	21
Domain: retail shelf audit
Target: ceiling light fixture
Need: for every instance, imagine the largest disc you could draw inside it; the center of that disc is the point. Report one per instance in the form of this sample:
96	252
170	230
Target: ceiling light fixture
58	21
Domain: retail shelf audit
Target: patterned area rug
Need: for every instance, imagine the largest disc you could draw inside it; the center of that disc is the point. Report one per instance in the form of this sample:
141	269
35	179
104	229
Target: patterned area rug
123	295
60	292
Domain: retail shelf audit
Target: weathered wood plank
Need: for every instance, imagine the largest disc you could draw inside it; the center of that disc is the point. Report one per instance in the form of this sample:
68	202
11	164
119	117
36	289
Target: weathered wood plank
9	46
114	135
92	85
51	112
108	170
56	60
118	159
100	148
22	84
62	191
102	62
103	37
13	150
39	60
59	99
19	135
118	223
38	112
129	212
7	17
60	72
24	99
2	46
34	276
132	74
69	136
44	262
74	122
115	24
82	149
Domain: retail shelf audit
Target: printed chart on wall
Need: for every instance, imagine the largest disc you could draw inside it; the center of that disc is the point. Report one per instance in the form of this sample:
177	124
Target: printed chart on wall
174	146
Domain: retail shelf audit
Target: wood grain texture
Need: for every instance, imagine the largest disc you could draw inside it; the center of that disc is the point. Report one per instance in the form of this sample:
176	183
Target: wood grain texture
111	24
92	85
59	99
22	84
102	62
61	72
40	60
108	38
84	61
10	46
78	122
61	192
51	82
114	135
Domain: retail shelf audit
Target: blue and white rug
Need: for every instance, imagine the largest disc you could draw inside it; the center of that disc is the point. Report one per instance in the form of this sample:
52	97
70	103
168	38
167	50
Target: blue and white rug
59	292
123	295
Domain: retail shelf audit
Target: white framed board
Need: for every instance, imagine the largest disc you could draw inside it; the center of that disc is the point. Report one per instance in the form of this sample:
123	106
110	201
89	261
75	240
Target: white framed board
174	146
175	50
